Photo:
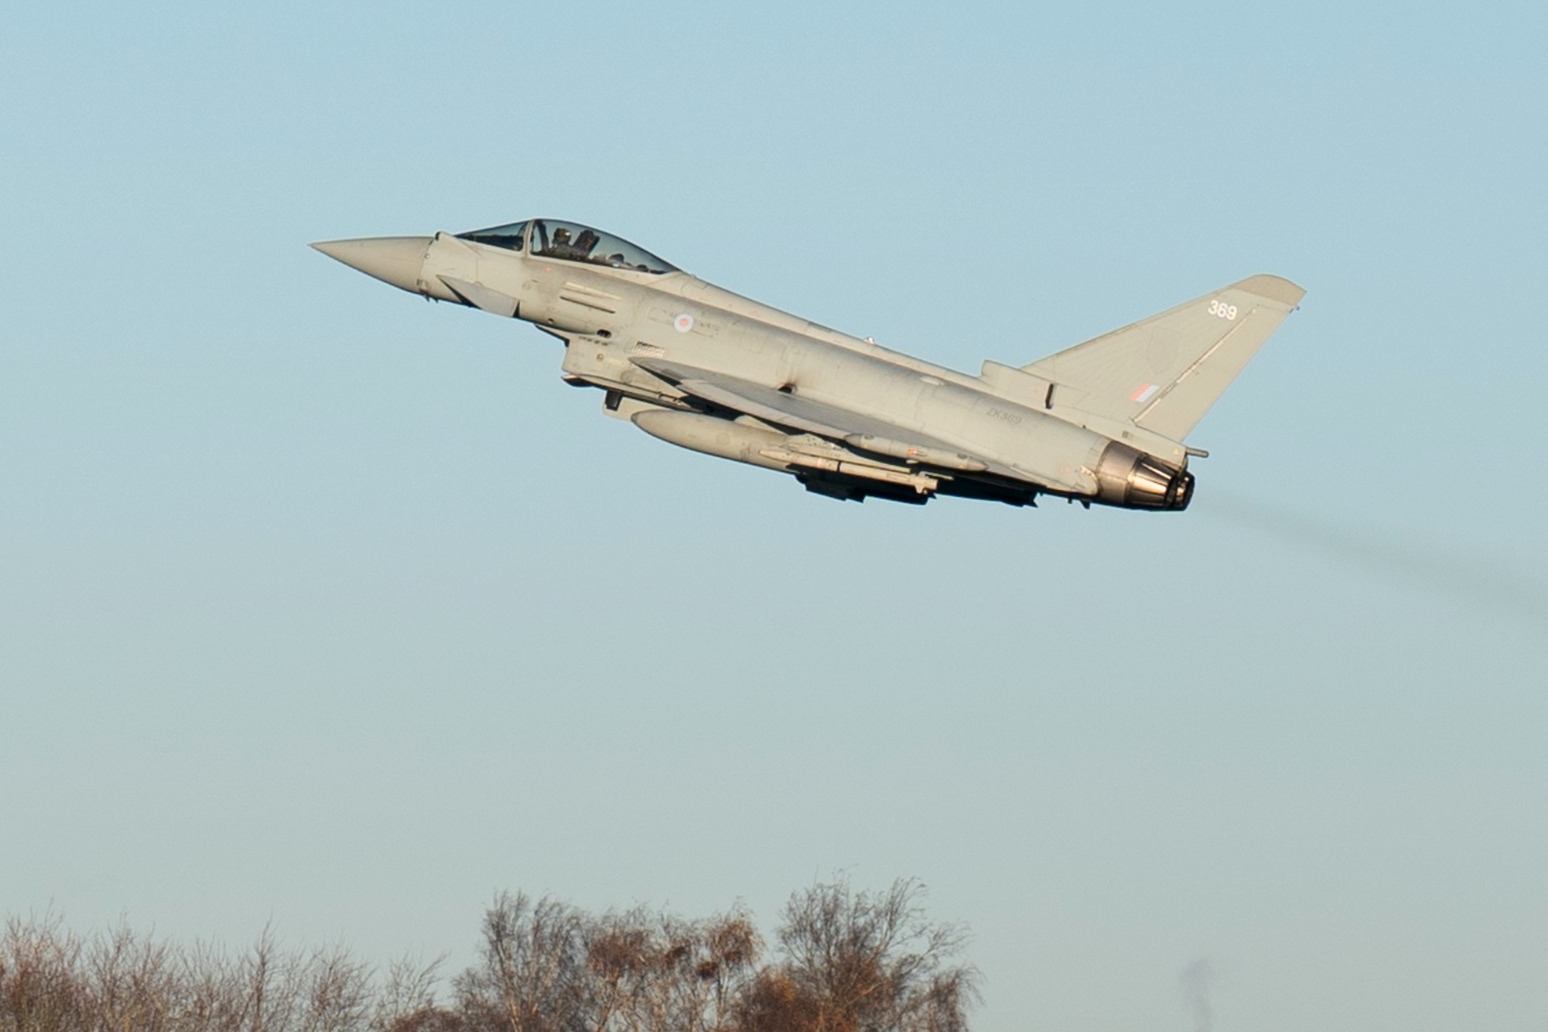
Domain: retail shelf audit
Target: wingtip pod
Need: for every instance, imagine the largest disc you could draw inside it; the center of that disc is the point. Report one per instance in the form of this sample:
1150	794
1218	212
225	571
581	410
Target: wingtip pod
1273	288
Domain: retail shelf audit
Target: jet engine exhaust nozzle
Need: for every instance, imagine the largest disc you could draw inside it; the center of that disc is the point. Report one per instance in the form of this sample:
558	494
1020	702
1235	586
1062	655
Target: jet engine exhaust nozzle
1133	480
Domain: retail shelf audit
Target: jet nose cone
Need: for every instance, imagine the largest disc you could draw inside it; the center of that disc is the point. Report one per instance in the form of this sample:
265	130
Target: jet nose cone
395	260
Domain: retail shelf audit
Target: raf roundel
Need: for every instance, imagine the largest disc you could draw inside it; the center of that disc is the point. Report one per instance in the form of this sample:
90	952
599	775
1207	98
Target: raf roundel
683	323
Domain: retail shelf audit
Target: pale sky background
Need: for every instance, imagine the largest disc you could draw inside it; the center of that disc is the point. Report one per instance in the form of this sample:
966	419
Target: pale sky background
325	606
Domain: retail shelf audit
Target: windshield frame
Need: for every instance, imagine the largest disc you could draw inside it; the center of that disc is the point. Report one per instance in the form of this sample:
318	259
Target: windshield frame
501	237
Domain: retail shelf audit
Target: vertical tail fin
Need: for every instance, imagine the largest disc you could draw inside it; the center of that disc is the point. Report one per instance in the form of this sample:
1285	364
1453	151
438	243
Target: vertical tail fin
1163	373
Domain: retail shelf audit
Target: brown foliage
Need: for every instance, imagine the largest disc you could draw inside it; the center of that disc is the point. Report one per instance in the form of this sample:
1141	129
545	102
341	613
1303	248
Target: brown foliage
776	1003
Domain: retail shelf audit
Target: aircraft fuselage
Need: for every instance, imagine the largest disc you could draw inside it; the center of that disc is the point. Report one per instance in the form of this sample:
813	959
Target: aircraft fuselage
707	369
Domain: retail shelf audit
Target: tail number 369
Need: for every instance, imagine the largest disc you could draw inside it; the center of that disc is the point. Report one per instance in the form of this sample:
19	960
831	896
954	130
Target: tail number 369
1221	310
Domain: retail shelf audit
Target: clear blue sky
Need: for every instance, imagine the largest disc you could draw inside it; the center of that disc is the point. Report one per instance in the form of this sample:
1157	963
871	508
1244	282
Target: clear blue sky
323	605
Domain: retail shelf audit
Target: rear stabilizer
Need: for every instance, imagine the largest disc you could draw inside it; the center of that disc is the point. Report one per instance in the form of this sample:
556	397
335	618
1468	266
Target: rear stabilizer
1163	373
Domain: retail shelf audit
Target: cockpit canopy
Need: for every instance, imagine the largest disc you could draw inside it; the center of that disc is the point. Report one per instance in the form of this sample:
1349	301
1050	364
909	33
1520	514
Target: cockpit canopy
571	242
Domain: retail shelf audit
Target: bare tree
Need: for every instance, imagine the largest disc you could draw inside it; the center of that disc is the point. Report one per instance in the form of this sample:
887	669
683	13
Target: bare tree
534	976
40	984
729	966
336	992
869	962
211	991
130	982
847	962
406	1001
51	981
656	972
265	983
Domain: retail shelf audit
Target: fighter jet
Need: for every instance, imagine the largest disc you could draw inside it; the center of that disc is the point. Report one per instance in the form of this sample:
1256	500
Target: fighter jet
1103	422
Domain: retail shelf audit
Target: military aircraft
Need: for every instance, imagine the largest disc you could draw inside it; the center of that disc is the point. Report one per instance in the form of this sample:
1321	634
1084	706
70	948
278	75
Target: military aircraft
1103	422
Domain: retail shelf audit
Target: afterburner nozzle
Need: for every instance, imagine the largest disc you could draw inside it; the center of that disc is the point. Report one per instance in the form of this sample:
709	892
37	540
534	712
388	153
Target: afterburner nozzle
1133	480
